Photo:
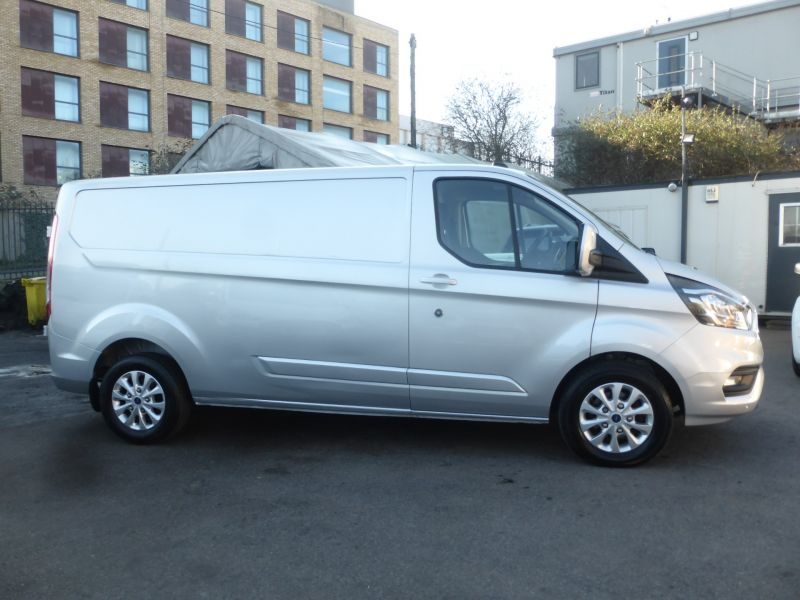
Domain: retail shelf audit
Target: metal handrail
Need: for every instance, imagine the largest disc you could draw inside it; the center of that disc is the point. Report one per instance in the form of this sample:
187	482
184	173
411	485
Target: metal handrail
782	97
762	98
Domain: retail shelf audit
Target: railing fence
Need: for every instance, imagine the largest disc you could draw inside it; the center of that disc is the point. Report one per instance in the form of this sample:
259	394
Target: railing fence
23	237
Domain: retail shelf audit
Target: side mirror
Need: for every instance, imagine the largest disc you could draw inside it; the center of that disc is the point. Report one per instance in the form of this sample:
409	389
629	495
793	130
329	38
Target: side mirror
588	246
797	268
649	250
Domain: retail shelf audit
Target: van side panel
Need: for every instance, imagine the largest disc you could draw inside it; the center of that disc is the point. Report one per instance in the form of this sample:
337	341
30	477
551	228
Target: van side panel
291	290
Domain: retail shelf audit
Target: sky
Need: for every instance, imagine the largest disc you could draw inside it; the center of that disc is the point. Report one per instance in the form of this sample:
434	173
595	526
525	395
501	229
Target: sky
491	39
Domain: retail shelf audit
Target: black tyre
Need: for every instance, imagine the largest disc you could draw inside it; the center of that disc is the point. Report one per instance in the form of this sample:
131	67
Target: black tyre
615	414
144	398
796	367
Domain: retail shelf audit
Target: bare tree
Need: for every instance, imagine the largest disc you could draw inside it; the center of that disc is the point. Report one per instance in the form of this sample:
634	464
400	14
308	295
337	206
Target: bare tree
489	118
166	156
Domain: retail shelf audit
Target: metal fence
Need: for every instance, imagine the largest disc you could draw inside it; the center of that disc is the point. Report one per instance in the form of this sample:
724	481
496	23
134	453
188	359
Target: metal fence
538	164
23	237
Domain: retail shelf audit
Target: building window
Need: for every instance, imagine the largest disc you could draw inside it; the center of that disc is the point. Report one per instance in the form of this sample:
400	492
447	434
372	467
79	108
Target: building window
336	46
294	84
376	58
244	19
790	225
376	138
137	49
65	32
140	4
292	33
67	99
186	117
124	107
256	116
122	45
44	27
50	162
252	21
376	103
198	12
138	110
49	95
138	161
336	94
587	70
201	118
255	71
672	63
193	11
199	63
287	122
187	60
338	131
122	162
243	73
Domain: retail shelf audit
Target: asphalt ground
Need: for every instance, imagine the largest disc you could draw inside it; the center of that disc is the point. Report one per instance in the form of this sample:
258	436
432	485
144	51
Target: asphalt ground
259	504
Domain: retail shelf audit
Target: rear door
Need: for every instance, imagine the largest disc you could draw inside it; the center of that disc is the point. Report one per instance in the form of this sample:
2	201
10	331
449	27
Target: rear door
496	311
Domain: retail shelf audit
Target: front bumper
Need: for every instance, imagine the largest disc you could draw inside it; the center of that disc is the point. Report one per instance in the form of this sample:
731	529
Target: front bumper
703	359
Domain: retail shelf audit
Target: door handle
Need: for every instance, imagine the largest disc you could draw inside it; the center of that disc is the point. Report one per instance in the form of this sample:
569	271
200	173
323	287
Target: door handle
439	279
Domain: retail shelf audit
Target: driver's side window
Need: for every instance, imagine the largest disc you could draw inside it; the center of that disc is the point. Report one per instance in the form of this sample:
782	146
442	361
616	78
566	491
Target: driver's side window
487	223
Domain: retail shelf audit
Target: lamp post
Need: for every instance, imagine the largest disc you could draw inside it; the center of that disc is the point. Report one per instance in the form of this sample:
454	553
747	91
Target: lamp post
413	43
686	139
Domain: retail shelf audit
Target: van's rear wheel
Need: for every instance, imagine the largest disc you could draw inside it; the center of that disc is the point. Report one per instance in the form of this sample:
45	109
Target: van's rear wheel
143	398
616	414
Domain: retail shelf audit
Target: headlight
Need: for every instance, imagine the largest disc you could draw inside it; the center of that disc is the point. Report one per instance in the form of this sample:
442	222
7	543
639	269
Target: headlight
714	307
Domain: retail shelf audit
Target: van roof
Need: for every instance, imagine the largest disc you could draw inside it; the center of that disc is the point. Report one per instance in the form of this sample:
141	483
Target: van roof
209	178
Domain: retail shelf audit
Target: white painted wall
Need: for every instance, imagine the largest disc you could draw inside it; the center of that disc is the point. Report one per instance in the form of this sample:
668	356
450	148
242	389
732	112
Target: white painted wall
649	216
726	239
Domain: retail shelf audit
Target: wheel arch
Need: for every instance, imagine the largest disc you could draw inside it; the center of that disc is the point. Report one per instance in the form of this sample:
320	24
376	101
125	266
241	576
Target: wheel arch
119	349
664	377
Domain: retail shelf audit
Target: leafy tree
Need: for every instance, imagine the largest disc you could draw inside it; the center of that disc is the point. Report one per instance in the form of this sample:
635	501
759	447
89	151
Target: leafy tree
488	117
645	146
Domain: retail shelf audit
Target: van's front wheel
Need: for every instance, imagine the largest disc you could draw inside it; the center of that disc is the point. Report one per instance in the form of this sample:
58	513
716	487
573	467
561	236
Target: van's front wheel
144	399
616	414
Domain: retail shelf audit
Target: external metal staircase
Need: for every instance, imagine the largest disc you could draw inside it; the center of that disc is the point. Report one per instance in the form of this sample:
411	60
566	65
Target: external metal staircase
769	101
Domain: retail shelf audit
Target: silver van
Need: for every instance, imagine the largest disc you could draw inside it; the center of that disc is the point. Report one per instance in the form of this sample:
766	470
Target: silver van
462	292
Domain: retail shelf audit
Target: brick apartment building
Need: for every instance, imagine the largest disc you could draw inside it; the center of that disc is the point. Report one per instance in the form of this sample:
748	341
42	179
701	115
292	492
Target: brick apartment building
95	88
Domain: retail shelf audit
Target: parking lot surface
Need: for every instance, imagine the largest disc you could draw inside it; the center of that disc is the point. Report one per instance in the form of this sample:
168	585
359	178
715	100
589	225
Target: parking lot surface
286	505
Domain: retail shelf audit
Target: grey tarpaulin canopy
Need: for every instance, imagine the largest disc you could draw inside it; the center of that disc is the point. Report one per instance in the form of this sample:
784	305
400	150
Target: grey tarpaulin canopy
234	143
